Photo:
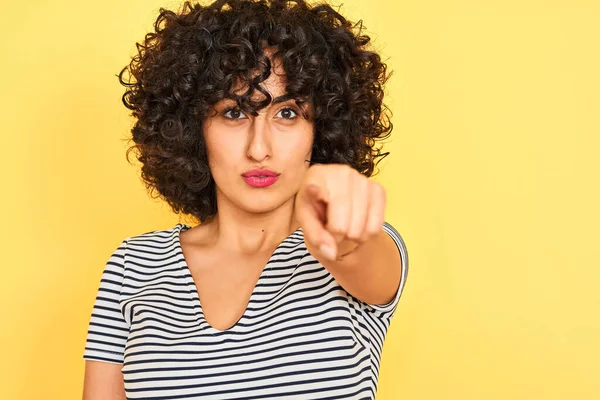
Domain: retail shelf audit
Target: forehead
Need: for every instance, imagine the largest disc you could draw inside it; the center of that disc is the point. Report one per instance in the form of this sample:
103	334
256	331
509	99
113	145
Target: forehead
274	84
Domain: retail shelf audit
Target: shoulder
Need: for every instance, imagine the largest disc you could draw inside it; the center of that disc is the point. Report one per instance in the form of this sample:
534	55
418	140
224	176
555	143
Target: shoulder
158	234
159	238
151	250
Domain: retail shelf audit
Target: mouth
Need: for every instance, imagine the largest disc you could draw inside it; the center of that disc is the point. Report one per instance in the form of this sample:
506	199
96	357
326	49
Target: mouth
264	173
260	180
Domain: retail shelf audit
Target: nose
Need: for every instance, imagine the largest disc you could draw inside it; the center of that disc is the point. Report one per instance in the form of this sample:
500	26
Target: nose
259	139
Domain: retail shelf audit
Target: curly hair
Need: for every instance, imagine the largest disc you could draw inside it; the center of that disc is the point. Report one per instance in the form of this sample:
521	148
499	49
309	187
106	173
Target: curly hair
196	57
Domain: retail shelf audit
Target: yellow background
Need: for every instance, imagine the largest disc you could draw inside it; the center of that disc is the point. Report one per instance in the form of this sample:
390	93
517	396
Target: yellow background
492	182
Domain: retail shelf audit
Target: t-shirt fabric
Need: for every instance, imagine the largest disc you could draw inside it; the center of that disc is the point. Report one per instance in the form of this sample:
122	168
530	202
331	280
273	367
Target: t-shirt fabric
302	336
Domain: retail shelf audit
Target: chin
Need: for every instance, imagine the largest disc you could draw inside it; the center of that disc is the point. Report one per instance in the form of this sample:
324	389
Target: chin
263	203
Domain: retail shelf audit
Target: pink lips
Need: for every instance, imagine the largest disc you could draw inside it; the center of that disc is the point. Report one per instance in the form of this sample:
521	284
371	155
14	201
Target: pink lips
260	177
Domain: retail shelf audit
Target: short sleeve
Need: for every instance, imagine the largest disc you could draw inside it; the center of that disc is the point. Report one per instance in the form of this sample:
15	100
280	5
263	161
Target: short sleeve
387	310
108	330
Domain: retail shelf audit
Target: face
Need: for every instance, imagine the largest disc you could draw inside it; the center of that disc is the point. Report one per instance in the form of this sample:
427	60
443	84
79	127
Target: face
279	139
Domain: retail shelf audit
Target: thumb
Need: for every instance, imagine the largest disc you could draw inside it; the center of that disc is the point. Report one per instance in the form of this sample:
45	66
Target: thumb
317	193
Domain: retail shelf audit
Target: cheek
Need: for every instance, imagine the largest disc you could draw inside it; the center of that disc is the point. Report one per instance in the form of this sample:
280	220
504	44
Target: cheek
297	159
221	150
298	146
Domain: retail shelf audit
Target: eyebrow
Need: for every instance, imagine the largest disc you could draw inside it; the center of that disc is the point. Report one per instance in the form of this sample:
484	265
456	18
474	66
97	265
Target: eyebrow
281	99
276	100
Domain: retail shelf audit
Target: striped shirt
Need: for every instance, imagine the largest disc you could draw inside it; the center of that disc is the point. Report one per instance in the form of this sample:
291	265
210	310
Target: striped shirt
302	336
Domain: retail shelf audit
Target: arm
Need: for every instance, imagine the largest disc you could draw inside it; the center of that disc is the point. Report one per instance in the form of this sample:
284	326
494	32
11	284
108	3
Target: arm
342	214
370	272
103	381
107	334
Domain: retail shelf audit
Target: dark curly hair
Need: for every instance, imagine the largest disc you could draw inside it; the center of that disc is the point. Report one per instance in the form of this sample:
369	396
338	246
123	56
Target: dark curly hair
195	57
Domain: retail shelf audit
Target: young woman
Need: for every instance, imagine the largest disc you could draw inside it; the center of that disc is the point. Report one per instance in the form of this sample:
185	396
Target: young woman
259	119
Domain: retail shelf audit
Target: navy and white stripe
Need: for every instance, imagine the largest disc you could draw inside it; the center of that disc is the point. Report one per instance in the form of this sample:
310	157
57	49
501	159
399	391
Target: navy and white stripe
302	335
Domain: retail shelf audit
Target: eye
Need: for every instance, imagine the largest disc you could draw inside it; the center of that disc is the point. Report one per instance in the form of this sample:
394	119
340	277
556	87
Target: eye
234	113
287	113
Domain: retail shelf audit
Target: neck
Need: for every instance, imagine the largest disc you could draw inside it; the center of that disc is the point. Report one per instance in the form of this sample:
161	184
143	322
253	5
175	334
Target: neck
241	232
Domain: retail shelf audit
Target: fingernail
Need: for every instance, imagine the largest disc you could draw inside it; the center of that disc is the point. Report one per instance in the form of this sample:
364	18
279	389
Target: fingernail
327	251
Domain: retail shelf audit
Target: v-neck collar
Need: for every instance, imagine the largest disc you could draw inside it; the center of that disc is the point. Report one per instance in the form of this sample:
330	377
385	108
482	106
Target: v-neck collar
294	238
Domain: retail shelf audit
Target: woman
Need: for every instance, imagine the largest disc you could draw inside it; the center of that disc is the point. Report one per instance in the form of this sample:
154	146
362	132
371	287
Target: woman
258	119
